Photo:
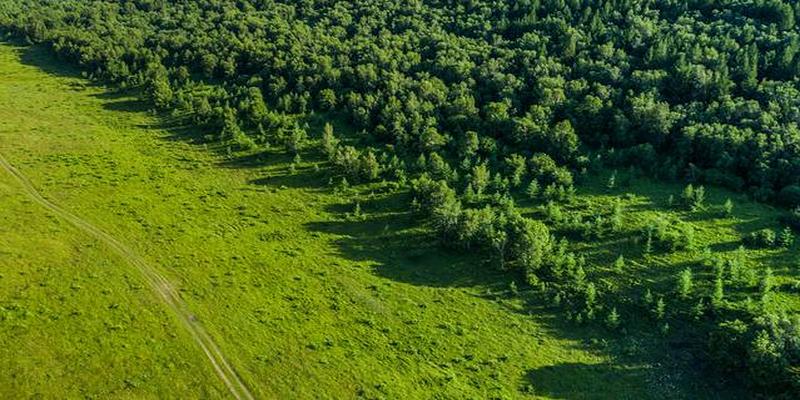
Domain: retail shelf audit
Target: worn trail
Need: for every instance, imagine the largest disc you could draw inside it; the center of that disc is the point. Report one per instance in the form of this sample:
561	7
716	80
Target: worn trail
166	292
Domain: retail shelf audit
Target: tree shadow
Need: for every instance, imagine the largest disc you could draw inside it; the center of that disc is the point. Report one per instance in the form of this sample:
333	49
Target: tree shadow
45	59
125	103
391	240
586	381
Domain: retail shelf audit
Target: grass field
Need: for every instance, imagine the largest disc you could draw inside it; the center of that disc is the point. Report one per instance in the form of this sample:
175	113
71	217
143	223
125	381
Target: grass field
305	299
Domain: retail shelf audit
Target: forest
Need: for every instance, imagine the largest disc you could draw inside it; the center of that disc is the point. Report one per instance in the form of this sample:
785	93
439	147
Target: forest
472	108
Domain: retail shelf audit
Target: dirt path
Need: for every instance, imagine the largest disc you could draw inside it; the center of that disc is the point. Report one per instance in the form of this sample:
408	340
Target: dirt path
158	282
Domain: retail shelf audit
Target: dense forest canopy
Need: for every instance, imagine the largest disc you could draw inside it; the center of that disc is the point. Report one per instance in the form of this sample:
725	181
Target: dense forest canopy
472	104
711	86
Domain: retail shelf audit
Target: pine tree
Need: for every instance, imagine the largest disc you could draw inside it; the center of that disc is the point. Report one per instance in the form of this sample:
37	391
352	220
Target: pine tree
699	198
660	309
647	298
786	237
684	283
648	243
698	310
687	196
590	294
616	217
765	285
533	189
329	141
619	264
727	208
612	181
719	292
612	319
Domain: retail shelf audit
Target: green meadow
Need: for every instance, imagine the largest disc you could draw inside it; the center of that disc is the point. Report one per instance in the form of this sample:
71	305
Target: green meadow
309	291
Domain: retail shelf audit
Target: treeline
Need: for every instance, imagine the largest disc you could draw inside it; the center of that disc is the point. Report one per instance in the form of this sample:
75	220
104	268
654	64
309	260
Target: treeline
473	104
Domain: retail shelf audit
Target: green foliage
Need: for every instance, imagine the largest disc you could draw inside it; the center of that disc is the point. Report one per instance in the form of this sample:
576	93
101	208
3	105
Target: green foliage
479	100
718	295
533	189
684	284
786	238
671	235
329	142
692	197
660	308
612	181
612	319
727	208
619	264
761	238
765	284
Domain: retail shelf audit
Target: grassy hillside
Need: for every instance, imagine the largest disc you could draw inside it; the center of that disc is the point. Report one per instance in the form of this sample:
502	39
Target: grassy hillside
399	199
304	298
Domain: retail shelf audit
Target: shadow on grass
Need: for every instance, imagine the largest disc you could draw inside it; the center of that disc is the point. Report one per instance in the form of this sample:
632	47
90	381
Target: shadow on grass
388	237
43	58
586	381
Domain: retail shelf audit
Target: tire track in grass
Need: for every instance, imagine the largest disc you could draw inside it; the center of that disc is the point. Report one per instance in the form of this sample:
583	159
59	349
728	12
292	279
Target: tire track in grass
165	290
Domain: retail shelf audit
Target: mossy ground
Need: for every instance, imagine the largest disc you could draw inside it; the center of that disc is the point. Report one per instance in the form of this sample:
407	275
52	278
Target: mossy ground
305	299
